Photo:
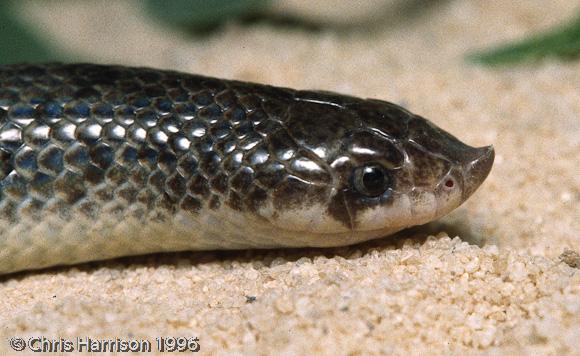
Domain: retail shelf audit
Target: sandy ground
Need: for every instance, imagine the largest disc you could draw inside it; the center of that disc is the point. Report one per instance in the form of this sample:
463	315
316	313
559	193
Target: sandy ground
489	280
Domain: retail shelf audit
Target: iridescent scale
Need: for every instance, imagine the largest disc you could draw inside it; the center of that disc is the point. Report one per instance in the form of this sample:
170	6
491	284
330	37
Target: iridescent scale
85	138
101	161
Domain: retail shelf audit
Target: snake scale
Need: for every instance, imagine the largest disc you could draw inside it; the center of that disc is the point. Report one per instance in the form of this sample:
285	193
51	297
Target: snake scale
102	161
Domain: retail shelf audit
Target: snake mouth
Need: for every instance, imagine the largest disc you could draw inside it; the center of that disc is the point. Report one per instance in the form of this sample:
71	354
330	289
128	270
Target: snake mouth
477	169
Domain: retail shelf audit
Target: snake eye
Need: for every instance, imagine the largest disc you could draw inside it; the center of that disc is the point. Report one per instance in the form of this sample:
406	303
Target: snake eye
371	180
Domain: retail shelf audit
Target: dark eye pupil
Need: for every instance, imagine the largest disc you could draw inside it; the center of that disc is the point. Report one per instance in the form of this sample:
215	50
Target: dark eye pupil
371	180
374	180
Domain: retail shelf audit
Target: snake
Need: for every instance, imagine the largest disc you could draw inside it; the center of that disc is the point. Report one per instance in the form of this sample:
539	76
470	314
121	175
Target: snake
103	161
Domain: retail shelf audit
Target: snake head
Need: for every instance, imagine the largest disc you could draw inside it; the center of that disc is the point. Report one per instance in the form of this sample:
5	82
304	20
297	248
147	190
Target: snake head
368	168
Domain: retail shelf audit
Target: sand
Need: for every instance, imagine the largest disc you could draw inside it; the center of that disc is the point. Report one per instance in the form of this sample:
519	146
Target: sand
498	275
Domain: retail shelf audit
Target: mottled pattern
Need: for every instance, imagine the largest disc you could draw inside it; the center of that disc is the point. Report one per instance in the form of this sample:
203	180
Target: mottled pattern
107	150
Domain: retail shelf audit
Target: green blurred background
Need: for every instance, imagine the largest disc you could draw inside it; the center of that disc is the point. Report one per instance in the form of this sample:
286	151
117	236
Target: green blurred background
20	43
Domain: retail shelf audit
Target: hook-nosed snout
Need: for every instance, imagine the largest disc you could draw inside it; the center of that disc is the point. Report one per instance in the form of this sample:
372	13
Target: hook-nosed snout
477	169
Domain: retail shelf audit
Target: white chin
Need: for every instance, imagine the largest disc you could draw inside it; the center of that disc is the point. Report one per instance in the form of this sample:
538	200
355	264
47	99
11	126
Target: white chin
312	219
393	216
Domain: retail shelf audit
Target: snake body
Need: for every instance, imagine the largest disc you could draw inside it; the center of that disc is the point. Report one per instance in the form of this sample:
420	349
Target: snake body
101	161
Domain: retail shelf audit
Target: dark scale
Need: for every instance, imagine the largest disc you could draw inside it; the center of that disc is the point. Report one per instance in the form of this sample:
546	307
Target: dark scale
167	140
86	137
102	161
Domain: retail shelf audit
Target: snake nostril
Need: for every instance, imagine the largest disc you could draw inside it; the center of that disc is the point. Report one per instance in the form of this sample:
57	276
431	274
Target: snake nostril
449	183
